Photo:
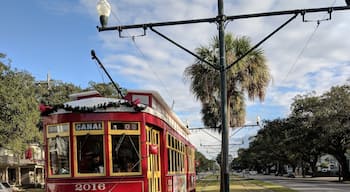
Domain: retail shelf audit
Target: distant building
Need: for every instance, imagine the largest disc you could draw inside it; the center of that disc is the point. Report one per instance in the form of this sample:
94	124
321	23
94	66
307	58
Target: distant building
26	170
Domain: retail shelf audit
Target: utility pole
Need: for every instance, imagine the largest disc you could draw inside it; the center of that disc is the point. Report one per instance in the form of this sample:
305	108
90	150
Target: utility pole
225	174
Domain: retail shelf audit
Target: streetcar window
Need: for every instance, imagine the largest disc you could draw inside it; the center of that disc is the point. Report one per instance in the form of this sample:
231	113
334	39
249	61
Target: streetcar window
176	155
126	153
90	153
144	99
58	149
191	159
89	158
124	126
125	145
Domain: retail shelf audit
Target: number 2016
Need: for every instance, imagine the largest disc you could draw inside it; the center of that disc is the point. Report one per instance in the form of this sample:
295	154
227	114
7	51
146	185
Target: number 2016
90	187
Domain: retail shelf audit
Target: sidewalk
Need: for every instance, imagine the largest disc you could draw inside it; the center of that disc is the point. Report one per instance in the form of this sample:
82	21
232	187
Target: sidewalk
329	179
307	178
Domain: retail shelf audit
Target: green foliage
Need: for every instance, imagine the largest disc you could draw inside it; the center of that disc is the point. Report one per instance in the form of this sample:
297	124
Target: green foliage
19	114
268	147
106	89
55	92
317	125
249	76
20	96
204	163
326	123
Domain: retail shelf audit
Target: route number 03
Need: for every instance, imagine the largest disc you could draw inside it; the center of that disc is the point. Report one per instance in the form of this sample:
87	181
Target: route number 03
90	187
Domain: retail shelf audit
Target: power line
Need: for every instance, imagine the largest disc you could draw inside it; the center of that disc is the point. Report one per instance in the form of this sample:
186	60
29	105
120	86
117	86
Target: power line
307	42
301	52
144	56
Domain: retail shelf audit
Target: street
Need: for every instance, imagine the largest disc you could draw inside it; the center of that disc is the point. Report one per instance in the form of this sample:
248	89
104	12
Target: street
319	184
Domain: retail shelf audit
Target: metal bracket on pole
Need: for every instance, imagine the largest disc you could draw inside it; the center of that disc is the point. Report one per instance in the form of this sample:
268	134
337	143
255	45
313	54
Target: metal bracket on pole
330	10
132	36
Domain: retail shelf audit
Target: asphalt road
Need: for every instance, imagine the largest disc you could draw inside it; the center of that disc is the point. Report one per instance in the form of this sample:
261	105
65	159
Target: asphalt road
320	184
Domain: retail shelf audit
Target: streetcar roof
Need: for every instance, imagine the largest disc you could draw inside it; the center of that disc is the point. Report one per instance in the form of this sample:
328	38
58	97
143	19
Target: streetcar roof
92	101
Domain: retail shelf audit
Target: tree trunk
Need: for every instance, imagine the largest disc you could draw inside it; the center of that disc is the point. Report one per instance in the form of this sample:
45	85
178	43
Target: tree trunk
313	165
344	167
303	169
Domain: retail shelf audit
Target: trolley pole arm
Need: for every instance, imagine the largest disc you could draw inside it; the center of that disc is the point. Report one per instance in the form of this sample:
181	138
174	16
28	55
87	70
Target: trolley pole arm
104	69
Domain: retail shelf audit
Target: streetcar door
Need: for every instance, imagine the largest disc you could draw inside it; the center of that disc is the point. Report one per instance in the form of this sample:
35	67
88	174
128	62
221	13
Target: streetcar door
153	173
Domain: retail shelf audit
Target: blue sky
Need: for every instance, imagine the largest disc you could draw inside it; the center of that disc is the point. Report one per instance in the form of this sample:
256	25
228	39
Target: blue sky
56	37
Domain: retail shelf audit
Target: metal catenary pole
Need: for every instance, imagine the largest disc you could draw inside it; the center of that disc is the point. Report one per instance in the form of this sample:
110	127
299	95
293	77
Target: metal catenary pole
225	176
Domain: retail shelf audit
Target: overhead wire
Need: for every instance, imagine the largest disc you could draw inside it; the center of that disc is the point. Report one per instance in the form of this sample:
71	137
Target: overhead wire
301	52
144	56
305	45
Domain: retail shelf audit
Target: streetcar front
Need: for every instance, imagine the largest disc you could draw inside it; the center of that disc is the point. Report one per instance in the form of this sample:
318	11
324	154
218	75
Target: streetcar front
93	144
104	144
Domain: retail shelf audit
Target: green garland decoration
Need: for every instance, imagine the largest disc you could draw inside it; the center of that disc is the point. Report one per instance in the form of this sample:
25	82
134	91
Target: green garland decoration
84	109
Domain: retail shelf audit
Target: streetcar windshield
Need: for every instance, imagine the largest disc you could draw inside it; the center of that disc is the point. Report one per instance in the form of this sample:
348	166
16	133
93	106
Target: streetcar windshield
126	156
90	147
90	154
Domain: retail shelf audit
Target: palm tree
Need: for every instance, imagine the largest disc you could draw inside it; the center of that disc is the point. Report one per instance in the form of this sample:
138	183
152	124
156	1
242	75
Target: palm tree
250	76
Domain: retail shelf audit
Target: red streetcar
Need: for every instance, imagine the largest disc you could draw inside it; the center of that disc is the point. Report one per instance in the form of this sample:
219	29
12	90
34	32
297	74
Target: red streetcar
134	144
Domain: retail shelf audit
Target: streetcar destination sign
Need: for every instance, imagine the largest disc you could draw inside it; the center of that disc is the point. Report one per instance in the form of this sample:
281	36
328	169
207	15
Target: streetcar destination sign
88	126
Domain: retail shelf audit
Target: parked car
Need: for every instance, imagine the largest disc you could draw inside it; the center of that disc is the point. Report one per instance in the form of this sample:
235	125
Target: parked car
5	187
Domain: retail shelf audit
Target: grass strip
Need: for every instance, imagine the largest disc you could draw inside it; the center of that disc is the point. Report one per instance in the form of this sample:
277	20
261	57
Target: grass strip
238	184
